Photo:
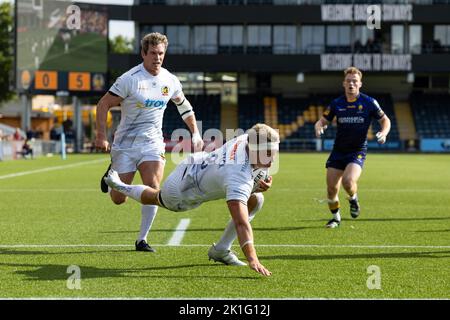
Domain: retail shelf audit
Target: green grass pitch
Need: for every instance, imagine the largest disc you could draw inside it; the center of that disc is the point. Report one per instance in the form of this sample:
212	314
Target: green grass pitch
404	230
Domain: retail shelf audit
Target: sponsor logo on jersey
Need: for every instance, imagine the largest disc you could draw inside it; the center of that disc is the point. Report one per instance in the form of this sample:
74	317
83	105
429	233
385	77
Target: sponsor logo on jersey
157	104
165	90
351	107
351	120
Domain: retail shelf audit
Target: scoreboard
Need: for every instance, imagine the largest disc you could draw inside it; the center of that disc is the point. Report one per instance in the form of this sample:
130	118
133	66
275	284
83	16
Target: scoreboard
50	81
61	46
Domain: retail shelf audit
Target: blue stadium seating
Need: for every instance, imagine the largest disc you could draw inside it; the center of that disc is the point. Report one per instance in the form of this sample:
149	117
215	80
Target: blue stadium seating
431	114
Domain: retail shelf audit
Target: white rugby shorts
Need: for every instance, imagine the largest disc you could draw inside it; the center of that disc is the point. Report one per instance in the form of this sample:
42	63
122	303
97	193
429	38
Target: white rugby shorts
175	192
127	160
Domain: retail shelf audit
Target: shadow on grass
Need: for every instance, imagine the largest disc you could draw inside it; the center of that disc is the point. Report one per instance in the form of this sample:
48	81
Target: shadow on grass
445	230
59	272
215	229
380	219
394	255
63	251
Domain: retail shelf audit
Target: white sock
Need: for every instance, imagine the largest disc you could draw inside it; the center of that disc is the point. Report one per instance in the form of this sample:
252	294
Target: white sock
132	191
229	235
337	216
353	197
148	215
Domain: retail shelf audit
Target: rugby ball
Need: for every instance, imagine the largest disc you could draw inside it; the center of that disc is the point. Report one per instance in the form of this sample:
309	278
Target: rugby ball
258	175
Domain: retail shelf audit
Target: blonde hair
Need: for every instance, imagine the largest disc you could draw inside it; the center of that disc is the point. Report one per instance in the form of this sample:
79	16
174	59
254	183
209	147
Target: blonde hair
153	39
353	70
262	132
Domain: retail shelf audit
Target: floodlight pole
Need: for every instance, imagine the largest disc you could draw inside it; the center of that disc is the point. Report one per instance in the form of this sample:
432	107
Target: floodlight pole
26	111
78	124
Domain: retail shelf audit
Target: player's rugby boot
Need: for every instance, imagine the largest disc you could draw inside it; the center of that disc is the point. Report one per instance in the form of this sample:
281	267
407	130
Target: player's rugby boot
333	223
225	256
103	185
354	208
143	246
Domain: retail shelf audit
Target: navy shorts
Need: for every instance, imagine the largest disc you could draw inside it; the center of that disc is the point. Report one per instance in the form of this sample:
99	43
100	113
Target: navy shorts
340	160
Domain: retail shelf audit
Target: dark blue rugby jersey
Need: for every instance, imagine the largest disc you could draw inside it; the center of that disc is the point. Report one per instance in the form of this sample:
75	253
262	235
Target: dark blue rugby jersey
353	121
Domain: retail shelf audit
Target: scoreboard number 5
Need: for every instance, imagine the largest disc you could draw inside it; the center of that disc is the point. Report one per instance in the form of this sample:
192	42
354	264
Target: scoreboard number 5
79	81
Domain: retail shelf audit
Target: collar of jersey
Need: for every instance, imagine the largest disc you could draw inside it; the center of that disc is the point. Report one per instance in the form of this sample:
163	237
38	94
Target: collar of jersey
357	97
146	72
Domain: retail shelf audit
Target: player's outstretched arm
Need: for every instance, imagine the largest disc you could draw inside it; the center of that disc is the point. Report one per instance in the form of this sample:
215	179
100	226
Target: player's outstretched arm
106	102
385	123
239	214
320	126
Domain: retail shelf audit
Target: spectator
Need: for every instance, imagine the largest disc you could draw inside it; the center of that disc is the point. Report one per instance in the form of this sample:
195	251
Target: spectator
17	135
27	149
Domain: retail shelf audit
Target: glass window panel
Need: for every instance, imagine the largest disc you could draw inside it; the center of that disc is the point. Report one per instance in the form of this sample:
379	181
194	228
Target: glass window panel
178	39
415	39
231	35
284	39
205	39
440	34
397	39
259	35
312	39
332	36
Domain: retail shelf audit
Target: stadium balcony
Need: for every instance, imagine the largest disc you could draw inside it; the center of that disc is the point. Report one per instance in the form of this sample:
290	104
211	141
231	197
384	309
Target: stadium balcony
431	114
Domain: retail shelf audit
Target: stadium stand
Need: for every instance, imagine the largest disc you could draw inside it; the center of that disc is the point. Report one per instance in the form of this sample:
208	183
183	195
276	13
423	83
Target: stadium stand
295	117
206	110
251	110
431	114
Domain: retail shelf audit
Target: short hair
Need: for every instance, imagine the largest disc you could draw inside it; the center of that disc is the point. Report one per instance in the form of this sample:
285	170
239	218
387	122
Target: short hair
153	39
264	133
353	70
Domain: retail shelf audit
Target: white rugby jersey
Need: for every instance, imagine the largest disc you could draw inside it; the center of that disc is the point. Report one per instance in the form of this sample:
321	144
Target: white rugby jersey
223	173
145	99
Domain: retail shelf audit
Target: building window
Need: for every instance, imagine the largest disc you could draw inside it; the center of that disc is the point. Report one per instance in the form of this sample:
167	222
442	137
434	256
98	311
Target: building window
415	39
441	38
397	38
312	39
178	37
363	39
338	39
284	39
146	29
205	39
231	39
259	39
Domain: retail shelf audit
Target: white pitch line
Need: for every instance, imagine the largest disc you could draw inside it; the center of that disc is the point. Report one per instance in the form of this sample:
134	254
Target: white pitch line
24	173
179	232
61	246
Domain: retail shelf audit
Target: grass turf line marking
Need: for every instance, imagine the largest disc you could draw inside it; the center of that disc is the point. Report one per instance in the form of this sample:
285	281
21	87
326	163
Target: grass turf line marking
179	232
24	173
61	246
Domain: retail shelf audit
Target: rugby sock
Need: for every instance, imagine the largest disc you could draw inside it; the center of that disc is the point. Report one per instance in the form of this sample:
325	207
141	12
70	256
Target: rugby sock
148	215
229	235
336	215
353	197
334	206
132	191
